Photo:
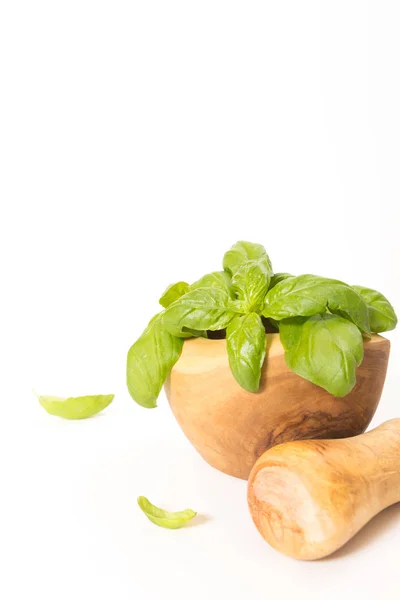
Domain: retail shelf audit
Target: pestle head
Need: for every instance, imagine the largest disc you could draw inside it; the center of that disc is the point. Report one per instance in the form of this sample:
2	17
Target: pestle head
308	498
295	504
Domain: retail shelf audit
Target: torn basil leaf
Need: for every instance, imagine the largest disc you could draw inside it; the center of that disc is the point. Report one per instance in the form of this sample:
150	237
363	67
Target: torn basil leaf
79	407
164	518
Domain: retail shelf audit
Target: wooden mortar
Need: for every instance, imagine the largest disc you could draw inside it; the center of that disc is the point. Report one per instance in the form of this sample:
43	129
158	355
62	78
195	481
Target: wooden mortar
231	428
308	498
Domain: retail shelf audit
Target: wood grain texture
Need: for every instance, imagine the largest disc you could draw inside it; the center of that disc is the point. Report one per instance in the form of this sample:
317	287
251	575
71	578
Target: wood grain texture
308	498
231	428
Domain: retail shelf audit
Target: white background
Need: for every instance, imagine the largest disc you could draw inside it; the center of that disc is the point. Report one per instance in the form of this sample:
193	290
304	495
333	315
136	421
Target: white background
138	141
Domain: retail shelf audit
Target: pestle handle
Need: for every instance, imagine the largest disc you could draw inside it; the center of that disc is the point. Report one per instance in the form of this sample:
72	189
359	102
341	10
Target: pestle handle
308	498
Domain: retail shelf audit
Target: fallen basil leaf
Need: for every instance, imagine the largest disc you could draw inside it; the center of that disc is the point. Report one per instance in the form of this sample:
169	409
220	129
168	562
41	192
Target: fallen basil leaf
80	407
241	252
173	292
246	347
325	349
199	309
250	282
308	295
382	316
149	362
163	518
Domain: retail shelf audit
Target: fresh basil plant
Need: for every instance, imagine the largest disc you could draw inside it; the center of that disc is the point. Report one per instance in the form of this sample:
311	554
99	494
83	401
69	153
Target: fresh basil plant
321	323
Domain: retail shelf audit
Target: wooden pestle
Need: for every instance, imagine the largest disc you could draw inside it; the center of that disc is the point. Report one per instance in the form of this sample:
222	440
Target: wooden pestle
308	498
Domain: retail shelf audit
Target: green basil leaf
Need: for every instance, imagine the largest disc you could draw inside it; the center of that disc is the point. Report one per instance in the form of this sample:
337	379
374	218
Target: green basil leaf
164	518
308	295
217	279
251	281
277	278
246	346
325	349
199	309
382	316
149	362
173	292
80	407
241	252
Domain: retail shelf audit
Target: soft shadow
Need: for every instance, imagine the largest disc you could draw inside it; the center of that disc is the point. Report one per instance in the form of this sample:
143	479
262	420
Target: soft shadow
373	530
198	520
